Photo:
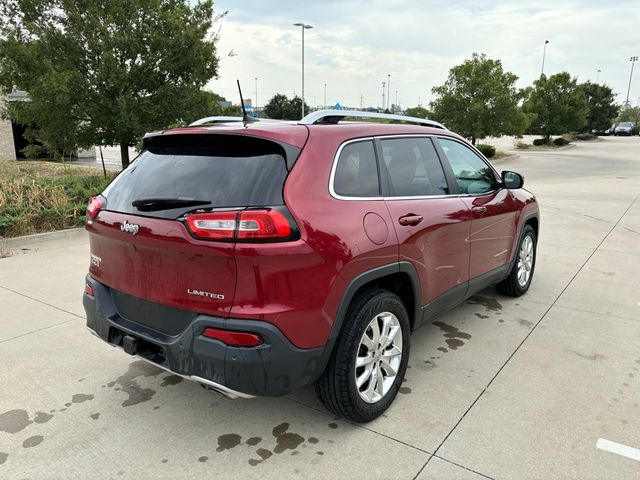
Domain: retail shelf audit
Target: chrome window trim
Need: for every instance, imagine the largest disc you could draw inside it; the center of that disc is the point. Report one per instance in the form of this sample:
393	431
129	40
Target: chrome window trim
385	137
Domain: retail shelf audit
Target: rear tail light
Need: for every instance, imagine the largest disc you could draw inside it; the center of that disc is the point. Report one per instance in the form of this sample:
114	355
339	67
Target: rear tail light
234	339
93	208
243	225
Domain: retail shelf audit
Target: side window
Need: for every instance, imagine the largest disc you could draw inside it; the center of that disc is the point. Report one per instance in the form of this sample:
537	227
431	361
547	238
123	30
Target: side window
357	172
473	175
413	167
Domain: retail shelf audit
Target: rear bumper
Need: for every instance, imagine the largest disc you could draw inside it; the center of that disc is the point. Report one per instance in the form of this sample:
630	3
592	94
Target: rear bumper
275	368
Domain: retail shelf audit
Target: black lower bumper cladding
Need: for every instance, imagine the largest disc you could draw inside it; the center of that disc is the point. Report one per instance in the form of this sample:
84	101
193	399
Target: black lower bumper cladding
275	368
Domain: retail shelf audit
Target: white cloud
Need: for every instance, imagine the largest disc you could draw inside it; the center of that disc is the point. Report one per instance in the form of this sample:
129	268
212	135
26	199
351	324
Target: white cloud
355	44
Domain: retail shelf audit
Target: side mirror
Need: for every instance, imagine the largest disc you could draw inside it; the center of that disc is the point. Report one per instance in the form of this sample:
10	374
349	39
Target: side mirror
512	180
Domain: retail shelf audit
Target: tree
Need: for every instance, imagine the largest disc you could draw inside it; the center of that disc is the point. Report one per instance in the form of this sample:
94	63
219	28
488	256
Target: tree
602	109
282	108
109	71
630	114
556	106
418	112
479	99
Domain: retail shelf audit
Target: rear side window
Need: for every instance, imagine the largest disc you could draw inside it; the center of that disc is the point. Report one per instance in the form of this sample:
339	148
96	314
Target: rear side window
473	175
414	168
224	170
357	172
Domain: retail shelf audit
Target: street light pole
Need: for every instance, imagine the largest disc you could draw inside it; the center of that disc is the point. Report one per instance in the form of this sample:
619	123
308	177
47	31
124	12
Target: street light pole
598	76
383	92
325	97
544	53
388	91
256	106
632	60
303	27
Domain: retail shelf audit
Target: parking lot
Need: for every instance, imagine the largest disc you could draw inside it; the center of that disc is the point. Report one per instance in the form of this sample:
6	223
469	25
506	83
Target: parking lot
497	388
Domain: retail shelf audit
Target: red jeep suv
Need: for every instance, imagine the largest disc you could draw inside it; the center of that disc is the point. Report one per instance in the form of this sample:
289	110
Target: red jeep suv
257	258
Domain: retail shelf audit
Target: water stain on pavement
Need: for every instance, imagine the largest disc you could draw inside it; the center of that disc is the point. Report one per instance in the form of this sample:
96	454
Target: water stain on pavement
33	441
228	441
525	323
285	440
405	390
95	416
452	335
3	457
479	315
171	380
596	357
491	304
203	459
42	417
127	383
333	425
81	397
442	349
14	421
312	440
253	441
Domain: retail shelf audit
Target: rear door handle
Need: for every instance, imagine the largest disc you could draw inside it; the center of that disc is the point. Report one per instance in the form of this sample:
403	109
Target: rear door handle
479	211
410	219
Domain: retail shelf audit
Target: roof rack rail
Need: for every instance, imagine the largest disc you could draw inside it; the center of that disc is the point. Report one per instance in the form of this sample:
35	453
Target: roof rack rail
224	119
334	116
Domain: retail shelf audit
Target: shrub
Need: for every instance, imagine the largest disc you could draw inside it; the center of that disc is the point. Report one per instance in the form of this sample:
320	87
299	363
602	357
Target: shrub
487	150
40	196
522	146
560	141
585	136
539	141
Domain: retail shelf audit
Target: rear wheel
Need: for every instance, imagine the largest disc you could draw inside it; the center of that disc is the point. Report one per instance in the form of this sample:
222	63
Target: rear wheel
521	275
368	364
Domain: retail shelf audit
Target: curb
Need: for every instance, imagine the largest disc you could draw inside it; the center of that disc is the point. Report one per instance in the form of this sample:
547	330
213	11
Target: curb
18	243
508	157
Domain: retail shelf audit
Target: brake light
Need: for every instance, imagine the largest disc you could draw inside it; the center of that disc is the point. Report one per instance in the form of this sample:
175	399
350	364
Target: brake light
94	207
243	225
263	224
234	339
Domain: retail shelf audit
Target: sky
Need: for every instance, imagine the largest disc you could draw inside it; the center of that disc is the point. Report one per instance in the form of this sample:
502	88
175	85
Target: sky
356	44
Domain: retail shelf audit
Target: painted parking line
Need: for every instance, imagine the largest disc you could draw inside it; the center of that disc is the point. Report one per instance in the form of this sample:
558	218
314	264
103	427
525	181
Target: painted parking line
619	449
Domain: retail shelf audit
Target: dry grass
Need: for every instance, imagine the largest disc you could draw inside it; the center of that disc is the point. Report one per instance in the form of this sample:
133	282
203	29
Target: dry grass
41	196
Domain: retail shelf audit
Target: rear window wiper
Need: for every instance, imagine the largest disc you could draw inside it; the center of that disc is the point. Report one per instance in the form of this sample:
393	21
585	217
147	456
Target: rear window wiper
151	204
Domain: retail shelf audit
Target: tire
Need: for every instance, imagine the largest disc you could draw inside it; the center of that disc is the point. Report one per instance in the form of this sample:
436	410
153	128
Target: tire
513	285
337	388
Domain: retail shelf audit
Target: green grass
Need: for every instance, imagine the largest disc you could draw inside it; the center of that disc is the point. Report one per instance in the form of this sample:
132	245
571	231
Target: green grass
41	196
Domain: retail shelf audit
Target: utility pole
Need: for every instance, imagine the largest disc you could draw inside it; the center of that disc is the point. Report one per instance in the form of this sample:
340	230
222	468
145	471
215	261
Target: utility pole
361	101
256	105
544	53
632	60
325	96
383	91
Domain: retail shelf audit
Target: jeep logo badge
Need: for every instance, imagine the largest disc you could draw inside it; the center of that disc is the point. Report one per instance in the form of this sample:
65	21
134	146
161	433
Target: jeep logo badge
131	228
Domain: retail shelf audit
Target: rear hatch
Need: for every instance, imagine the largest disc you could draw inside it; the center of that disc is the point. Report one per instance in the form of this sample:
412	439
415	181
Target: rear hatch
167	226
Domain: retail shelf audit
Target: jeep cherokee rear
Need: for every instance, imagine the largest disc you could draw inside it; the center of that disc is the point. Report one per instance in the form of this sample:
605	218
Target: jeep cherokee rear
259	258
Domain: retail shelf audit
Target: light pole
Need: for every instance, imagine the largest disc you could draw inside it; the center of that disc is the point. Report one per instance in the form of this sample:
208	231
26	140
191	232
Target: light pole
383	91
256	105
325	96
388	90
632	60
303	27
544	53
598	76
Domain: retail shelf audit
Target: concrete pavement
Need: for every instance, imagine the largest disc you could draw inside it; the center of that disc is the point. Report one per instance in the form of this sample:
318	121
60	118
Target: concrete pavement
537	381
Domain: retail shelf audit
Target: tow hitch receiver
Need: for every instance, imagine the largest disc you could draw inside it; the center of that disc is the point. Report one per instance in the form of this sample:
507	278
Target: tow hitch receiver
130	344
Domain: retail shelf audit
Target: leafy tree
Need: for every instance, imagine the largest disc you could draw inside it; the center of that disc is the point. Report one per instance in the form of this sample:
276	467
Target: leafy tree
282	108
630	114
418	112
602	109
105	72
479	99
556	105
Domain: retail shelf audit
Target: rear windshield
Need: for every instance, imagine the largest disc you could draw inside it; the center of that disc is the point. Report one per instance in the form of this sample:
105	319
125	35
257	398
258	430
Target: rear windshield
225	170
